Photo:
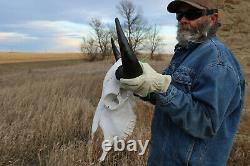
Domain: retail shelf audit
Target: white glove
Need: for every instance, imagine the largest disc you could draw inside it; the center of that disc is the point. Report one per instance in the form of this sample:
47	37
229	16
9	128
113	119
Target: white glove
149	81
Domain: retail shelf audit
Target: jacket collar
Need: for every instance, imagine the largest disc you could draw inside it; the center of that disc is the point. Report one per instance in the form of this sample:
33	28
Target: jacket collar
190	45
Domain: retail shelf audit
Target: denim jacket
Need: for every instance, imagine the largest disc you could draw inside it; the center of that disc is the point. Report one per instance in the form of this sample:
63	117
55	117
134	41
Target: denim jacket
195	121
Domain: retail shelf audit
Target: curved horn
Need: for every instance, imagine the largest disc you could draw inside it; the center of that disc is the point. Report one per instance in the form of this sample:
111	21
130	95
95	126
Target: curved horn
115	50
131	67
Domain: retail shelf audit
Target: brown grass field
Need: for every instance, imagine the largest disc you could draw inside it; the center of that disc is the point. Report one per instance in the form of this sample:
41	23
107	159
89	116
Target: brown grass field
47	108
14	57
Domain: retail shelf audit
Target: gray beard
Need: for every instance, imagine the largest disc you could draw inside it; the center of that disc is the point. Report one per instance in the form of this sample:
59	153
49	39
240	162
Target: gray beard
185	34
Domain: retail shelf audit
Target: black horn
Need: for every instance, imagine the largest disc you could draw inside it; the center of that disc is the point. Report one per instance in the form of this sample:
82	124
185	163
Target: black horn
131	67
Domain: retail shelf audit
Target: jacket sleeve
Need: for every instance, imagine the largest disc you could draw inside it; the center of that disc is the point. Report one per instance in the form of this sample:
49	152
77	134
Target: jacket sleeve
202	111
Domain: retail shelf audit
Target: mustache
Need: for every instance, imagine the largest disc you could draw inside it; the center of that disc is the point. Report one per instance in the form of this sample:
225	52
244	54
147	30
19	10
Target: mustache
184	27
185	31
201	27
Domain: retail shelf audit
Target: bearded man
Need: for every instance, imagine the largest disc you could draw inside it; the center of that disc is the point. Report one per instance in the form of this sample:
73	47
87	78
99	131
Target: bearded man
198	98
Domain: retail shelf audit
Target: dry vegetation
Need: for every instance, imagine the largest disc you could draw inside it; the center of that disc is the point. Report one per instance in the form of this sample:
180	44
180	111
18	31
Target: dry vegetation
13	57
46	115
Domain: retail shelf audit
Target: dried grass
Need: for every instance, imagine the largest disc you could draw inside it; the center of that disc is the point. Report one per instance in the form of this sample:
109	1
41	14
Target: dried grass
14	57
46	117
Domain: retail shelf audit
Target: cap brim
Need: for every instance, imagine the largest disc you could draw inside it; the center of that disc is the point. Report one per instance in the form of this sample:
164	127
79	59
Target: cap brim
174	6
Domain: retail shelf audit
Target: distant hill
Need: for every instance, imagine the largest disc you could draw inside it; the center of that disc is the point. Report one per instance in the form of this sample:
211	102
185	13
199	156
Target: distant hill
16	57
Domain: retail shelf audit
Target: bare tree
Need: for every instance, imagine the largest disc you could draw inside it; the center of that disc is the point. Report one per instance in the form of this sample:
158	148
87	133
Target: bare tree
89	47
103	36
135	26
154	40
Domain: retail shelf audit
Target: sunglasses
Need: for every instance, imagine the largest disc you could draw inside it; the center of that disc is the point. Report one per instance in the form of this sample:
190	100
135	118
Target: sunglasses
195	14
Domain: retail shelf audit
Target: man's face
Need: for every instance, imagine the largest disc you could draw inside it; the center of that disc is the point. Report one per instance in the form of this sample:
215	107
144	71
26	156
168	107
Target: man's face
193	30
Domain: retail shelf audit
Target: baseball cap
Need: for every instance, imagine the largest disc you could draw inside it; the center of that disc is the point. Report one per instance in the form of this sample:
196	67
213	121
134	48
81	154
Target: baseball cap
174	6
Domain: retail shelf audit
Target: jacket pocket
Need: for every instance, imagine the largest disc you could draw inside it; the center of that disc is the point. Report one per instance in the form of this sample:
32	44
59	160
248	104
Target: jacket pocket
183	78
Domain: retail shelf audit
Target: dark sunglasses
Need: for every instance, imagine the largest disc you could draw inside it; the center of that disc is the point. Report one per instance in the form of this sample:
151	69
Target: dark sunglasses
195	14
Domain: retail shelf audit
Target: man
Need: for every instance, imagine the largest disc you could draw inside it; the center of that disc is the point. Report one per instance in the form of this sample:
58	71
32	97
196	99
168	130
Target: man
198	98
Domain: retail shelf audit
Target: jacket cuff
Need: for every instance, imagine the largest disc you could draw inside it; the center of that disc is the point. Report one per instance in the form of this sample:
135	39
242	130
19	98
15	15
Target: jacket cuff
151	97
168	96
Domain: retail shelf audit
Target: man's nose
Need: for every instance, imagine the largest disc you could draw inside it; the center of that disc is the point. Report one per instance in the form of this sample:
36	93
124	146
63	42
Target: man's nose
184	20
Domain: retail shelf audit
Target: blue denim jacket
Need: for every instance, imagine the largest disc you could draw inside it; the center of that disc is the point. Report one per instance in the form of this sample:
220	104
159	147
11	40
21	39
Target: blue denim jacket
196	119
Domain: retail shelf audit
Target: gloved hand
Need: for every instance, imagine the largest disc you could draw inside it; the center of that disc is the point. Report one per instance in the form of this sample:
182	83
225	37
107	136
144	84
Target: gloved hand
149	81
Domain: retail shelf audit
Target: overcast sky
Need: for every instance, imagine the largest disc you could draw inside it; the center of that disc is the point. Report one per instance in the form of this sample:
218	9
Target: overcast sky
59	25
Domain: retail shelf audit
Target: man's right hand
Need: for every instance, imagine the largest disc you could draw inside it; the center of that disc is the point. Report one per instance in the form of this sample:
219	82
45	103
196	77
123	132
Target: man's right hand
149	81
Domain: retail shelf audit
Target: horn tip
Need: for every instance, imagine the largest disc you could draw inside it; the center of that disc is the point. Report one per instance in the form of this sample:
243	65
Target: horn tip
117	20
